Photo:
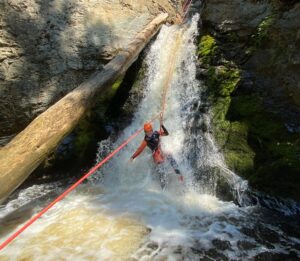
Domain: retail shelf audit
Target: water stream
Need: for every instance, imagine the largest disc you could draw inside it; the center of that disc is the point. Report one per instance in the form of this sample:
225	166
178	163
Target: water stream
122	213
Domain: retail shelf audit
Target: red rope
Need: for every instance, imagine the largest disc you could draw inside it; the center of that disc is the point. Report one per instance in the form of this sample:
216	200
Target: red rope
184	5
91	171
186	10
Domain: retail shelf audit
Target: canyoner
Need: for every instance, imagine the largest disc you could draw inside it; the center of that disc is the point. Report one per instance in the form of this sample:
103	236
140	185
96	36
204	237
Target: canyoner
158	156
121	212
163	161
152	140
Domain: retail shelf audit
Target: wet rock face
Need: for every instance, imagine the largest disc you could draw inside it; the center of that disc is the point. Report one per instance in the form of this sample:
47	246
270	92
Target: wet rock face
47	48
263	38
249	59
239	16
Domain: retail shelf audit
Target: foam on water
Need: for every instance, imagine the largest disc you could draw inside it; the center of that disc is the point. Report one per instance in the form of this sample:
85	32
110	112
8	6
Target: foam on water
123	213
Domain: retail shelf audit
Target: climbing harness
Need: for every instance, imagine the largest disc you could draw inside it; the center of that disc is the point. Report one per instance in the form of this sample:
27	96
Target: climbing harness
166	85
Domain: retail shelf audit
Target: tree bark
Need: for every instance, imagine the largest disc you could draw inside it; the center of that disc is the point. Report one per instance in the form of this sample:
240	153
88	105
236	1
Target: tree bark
28	149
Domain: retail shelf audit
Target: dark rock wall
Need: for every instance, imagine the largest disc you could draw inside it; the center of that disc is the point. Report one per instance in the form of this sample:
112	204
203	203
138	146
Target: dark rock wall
249	59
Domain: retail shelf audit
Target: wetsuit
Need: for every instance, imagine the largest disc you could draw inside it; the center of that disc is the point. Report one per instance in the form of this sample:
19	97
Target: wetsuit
153	142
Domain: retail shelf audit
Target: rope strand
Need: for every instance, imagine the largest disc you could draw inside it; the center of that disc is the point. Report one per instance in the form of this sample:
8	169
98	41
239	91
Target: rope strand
75	185
167	84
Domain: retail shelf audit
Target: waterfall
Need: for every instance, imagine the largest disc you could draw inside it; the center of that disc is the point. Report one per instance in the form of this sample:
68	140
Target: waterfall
122	213
171	63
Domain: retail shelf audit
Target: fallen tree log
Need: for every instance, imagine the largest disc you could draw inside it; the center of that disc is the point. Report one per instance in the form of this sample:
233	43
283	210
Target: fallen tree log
28	149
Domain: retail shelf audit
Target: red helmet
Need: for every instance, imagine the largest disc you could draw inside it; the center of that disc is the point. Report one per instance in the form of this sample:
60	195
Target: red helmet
148	127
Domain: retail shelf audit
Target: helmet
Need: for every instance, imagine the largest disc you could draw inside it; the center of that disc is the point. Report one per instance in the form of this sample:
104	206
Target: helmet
147	127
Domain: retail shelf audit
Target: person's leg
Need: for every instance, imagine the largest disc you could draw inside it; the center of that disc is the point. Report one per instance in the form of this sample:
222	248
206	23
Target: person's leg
162	176
173	164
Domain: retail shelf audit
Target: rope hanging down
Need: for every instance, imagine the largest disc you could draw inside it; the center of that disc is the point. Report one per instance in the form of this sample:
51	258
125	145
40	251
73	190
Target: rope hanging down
184	6
167	81
59	198
185	9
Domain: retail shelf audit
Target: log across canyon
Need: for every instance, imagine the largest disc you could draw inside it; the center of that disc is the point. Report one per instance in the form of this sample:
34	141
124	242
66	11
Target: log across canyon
28	149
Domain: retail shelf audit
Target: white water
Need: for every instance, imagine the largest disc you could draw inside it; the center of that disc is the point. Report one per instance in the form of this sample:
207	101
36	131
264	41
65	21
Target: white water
123	213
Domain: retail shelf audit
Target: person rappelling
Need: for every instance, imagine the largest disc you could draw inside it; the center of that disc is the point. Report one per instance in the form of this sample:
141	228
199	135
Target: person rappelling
152	140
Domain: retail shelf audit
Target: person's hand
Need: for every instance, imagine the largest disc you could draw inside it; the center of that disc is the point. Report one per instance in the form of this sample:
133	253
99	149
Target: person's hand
180	178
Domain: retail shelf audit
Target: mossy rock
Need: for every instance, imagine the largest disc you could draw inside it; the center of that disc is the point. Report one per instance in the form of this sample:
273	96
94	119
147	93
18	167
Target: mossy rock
277	157
90	129
245	106
255	141
222	80
105	100
84	136
262	30
207	48
277	178
237	153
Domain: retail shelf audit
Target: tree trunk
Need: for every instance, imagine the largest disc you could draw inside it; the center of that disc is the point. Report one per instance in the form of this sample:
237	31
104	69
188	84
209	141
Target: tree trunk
28	149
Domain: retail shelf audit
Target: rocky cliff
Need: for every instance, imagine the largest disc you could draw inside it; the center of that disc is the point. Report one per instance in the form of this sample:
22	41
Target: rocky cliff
249	59
47	48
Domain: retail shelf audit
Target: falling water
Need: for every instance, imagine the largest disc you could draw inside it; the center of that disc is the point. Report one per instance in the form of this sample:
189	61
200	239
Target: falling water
123	214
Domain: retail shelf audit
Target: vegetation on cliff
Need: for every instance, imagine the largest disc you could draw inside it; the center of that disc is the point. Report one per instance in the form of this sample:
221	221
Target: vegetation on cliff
254	139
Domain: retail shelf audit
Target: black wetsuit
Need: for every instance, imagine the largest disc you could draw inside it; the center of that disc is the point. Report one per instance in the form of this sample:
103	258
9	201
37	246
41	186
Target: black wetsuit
153	141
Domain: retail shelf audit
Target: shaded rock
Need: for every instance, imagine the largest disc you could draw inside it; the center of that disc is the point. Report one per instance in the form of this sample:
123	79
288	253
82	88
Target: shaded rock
221	245
267	256
49	48
252	74
246	245
239	16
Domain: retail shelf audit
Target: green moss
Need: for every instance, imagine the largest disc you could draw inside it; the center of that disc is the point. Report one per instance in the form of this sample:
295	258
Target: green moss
222	80
231	77
264	26
221	83
207	48
255	142
111	91
231	137
219	109
263	124
116	85
276	164
261	33
105	99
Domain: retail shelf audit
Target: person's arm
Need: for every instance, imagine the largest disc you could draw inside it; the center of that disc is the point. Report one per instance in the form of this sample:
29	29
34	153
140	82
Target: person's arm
163	131
139	150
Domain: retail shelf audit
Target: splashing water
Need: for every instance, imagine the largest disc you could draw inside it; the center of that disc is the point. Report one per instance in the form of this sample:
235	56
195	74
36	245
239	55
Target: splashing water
123	213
